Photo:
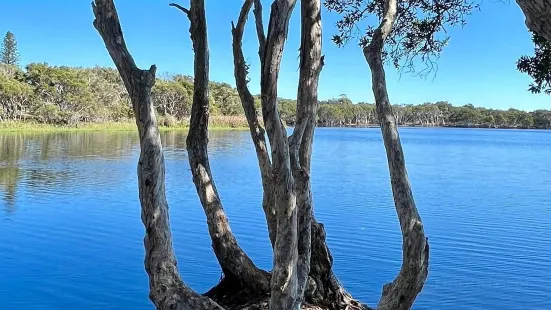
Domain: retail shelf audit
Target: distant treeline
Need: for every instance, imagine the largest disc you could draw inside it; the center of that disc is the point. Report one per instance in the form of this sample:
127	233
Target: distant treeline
67	95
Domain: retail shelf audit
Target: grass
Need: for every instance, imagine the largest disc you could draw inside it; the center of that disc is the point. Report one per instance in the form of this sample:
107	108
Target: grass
216	123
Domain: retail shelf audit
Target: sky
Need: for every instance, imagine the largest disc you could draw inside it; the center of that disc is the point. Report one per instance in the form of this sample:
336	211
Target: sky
477	67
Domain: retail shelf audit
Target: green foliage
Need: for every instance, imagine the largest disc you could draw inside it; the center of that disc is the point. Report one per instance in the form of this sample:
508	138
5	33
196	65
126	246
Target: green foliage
80	97
538	67
65	95
8	52
419	31
331	113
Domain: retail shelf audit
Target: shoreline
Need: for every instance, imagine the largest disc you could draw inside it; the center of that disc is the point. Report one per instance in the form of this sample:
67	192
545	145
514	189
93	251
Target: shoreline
439	126
27	127
31	127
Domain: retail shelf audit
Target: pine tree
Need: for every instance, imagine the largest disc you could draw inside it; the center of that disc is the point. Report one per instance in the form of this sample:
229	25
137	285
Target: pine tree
8	53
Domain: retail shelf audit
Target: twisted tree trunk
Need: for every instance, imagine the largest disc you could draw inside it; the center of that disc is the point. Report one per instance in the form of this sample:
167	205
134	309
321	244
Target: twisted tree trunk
232	259
167	290
538	16
400	293
321	287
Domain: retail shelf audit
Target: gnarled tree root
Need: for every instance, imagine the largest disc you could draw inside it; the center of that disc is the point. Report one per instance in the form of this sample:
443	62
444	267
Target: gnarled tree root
231	295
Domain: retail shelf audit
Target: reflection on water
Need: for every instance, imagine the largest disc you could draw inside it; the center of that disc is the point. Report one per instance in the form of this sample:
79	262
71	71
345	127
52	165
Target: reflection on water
38	150
71	234
45	151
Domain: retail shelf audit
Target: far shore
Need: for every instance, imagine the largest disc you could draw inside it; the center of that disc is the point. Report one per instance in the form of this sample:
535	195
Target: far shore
22	127
33	127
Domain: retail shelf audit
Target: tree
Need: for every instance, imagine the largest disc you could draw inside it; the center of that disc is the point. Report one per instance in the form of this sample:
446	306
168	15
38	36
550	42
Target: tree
8	53
538	67
406	31
302	265
62	95
301	257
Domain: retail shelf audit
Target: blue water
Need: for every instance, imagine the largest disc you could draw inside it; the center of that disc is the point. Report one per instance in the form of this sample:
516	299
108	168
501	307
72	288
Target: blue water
71	235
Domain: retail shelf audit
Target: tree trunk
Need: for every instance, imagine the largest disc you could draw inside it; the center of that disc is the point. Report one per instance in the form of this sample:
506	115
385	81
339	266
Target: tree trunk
322	287
400	293
167	290
538	16
300	146
284	294
232	259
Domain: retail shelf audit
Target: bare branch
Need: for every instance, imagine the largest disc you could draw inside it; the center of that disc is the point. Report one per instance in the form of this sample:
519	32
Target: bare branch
181	8
259	28
242	20
256	130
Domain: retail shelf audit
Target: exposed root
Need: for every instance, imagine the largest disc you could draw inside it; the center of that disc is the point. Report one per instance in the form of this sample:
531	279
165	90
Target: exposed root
232	295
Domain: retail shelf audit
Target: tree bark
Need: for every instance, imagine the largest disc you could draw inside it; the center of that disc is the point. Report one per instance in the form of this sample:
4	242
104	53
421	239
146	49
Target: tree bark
256	130
284	287
311	63
400	293
538	16
322	287
232	259
167	290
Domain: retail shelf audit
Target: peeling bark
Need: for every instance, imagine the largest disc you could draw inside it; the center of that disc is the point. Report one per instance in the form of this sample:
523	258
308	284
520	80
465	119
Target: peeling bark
232	259
167	290
256	130
538	16
402	291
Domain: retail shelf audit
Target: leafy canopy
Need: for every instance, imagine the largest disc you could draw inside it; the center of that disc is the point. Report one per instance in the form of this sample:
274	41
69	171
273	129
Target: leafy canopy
419	31
538	67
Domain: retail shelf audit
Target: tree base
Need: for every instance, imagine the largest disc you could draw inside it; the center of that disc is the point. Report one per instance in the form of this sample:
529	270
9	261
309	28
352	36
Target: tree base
232	295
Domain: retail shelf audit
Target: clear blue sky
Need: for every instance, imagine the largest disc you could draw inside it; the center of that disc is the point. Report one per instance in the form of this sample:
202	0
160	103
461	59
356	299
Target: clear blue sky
477	67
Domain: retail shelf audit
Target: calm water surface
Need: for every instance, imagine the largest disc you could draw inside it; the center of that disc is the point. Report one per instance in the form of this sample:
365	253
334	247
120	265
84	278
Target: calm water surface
71	235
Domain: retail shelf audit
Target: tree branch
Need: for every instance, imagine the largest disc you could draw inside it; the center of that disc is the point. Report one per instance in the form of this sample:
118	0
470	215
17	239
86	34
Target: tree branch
167	290
232	258
259	28
181	8
256	130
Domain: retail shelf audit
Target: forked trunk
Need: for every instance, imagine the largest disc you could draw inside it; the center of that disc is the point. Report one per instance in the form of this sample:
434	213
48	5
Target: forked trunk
400	293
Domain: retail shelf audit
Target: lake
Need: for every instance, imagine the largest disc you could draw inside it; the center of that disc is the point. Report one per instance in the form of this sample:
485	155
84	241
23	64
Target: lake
71	234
